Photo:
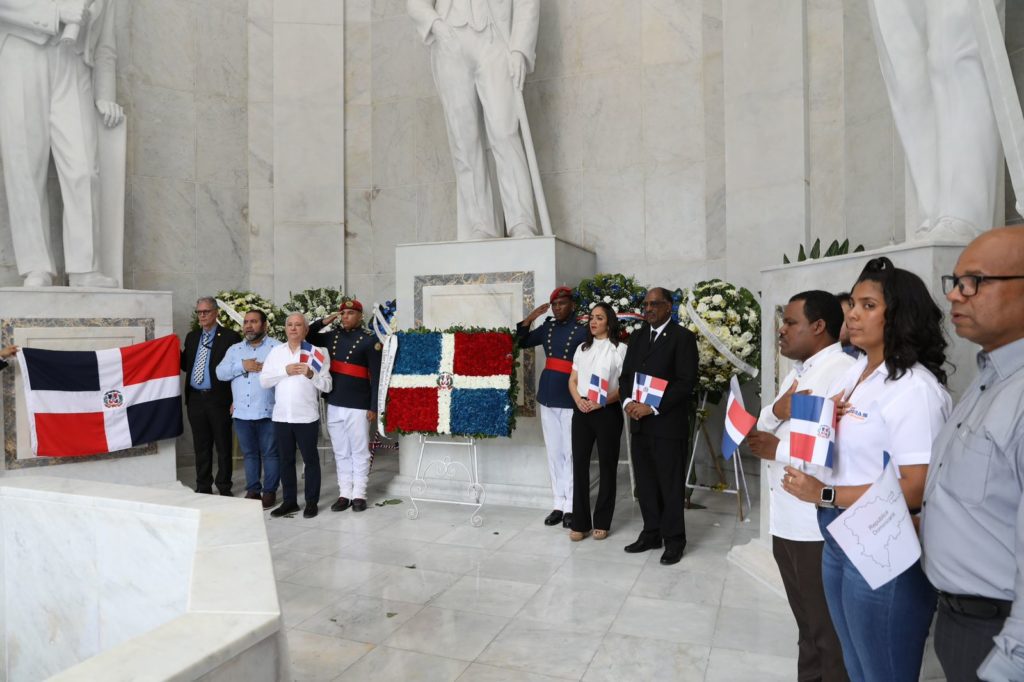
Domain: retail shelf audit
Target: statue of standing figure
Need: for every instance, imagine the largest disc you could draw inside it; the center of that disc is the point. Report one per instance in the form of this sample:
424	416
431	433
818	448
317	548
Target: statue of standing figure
930	59
57	62
480	53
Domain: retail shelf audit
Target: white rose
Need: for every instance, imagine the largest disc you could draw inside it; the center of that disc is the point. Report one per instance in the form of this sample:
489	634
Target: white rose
717	299
607	299
593	305
623	301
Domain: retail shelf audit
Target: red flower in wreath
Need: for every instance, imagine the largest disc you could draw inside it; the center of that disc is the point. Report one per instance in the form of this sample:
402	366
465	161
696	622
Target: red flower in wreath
483	354
412	410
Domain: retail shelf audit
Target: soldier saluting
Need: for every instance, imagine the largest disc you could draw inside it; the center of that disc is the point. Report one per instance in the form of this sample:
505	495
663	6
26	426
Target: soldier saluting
352	402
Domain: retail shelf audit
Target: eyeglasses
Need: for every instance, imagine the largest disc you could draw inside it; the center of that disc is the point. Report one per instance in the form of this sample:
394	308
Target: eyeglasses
204	312
654	304
968	284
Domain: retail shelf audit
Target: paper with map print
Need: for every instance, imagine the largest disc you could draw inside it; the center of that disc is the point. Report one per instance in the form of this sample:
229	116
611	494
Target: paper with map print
876	532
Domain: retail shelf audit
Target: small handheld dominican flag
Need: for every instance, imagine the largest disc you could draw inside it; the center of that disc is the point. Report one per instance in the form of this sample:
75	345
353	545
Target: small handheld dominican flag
598	391
311	356
812	429
738	422
648	390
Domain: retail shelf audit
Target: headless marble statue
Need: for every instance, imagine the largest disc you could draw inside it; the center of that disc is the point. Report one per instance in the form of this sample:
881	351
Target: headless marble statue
480	53
57	86
930	60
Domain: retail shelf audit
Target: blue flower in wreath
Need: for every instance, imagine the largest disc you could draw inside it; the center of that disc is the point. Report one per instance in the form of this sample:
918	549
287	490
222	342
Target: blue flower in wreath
480	411
419	354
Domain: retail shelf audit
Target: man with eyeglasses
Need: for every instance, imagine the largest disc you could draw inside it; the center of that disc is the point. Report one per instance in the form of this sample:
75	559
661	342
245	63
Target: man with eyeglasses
207	398
972	521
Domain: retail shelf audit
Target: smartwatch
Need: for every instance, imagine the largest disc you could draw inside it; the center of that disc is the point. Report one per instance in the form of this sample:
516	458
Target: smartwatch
828	498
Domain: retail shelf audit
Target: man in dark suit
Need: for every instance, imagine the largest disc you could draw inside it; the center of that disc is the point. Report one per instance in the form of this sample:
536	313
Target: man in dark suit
207	398
665	350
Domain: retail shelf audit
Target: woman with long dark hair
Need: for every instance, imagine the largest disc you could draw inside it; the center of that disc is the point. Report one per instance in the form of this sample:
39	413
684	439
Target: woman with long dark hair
893	400
594	387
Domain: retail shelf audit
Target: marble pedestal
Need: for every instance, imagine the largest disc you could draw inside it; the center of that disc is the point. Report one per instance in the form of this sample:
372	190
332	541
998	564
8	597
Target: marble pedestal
66	318
488	283
929	260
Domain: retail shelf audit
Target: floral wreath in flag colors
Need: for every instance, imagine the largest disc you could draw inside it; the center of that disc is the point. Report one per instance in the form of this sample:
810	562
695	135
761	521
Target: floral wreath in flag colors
459	382
621	292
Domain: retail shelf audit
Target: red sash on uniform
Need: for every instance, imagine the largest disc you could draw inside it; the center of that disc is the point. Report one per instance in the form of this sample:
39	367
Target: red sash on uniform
357	371
558	365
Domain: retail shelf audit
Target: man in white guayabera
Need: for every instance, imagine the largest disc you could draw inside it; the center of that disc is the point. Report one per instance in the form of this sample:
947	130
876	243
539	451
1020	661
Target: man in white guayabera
480	53
57	63
930	60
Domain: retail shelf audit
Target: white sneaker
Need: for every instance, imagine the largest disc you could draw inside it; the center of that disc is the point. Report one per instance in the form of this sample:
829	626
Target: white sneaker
91	279
38	279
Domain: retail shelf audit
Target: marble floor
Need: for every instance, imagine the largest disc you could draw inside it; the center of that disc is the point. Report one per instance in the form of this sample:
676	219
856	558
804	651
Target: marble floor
376	596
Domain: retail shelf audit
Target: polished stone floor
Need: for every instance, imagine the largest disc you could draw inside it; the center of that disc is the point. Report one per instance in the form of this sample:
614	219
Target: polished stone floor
376	596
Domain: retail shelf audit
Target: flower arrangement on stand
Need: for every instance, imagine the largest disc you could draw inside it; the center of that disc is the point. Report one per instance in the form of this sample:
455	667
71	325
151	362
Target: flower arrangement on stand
459	382
726	320
242	302
316	303
388	309
620	291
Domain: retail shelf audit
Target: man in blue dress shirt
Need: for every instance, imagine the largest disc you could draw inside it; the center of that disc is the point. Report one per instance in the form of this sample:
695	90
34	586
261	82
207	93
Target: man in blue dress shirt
560	335
252	407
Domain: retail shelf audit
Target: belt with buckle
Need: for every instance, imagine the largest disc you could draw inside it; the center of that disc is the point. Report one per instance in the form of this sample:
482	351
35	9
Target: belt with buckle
976	607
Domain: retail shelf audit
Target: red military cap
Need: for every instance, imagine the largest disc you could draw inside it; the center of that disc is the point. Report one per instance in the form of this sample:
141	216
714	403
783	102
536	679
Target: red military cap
350	304
559	292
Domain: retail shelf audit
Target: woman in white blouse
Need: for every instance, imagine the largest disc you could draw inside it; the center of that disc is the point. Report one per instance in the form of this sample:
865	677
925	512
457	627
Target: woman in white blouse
594	387
892	400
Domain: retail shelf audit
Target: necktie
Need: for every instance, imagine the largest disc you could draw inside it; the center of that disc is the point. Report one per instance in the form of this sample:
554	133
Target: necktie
654	335
202	355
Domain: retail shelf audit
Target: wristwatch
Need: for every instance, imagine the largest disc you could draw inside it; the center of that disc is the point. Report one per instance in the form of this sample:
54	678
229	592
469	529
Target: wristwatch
828	498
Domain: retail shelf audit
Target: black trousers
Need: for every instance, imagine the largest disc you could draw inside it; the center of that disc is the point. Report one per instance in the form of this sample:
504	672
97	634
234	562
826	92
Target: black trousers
603	426
210	420
963	642
820	656
659	465
304	436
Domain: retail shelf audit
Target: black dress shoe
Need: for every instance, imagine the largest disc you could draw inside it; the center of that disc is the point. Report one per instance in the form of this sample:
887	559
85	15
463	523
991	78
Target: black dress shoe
285	508
672	555
269	500
554	518
204	491
643	544
567	520
358	504
342	504
310	511
227	493
253	495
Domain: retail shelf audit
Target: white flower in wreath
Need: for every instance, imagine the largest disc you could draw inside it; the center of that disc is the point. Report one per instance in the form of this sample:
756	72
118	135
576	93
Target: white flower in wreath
623	301
702	308
593	304
607	299
717	299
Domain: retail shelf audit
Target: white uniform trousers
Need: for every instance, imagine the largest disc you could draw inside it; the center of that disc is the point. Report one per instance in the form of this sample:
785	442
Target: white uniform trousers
556	423
46	104
350	438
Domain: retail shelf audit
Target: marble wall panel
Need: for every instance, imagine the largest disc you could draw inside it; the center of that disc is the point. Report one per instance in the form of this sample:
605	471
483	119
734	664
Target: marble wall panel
167	29
394	142
563	193
558	42
358	146
384	9
222	217
610	114
358	77
612	214
292	267
260	124
358	10
221	49
309	11
553	107
609	34
671	30
401	62
430	132
308	161
260	33
826	125
393	217
164	140
358	232
714	206
674	210
436	213
673	114
167	210
221	141
308	63
261	231
184	289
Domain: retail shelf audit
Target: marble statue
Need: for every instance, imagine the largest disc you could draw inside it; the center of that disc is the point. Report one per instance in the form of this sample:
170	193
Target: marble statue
937	86
57	89
480	53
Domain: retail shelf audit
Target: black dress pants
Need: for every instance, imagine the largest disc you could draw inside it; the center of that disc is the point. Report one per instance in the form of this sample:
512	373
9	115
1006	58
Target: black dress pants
304	436
210	420
963	642
603	426
659	465
820	656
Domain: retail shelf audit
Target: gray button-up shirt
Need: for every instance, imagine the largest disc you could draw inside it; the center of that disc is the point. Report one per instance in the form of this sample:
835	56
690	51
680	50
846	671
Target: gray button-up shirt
972	524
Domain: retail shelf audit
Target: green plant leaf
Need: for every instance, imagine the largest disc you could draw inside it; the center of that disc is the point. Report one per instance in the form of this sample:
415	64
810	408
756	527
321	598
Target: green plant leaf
816	249
860	247
832	249
785	259
802	256
844	248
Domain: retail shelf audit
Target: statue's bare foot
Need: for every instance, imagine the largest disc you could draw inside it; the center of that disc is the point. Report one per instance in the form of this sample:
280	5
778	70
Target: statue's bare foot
38	279
91	279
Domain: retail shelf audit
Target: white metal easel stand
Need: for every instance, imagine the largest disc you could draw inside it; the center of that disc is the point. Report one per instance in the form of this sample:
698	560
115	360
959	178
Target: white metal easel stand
740	476
446	468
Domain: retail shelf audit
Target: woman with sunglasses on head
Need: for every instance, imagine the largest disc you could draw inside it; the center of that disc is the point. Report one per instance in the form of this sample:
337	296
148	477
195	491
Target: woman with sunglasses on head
892	400
594	387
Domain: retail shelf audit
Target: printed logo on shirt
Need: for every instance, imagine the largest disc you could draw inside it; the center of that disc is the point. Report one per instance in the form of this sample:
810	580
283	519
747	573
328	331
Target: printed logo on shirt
856	415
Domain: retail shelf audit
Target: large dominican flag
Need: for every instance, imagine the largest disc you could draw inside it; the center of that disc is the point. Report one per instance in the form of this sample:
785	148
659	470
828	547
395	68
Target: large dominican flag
812	429
93	402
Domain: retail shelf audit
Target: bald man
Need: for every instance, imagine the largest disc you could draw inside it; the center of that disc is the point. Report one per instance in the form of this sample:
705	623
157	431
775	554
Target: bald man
972	524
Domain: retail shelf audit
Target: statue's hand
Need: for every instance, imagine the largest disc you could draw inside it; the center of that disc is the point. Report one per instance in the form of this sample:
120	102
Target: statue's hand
111	112
517	69
445	36
72	11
